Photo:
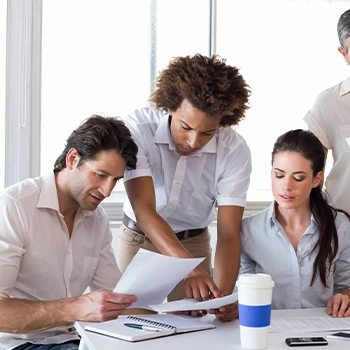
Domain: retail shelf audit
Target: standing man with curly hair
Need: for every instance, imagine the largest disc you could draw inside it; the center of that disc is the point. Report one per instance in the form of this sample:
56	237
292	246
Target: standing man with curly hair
190	161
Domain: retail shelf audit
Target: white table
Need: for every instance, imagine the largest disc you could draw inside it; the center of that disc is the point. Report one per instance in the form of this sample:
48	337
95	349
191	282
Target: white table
225	336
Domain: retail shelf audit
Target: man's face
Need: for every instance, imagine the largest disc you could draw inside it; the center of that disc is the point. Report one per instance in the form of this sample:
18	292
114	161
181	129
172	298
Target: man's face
191	129
92	181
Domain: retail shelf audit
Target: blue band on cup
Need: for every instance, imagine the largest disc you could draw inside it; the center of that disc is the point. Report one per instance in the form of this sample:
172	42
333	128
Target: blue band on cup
254	316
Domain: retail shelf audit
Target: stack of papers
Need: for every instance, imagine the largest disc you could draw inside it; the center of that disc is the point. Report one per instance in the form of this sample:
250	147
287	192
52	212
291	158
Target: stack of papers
309	324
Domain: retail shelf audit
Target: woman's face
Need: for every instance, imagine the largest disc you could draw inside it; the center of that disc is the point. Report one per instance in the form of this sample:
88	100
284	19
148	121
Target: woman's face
292	180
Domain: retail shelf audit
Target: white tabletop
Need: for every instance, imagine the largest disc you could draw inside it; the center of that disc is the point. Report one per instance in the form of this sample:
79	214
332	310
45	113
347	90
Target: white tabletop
224	336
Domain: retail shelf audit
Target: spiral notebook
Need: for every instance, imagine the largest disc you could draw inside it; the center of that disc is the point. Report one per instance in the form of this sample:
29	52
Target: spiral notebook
169	324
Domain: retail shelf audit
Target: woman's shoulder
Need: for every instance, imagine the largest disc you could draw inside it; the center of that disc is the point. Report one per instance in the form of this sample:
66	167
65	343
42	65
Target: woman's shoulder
342	220
257	219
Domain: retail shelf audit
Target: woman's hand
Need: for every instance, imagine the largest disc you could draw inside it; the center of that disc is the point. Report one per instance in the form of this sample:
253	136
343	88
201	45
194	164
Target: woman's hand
338	305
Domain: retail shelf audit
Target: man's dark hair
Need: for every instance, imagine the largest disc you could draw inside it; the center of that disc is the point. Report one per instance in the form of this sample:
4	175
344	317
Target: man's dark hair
208	83
96	134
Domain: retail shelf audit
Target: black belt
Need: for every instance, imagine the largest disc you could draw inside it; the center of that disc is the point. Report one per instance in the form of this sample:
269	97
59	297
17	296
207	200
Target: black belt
131	224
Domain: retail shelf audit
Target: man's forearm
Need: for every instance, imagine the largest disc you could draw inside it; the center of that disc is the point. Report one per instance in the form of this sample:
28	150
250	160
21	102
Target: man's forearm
226	265
24	316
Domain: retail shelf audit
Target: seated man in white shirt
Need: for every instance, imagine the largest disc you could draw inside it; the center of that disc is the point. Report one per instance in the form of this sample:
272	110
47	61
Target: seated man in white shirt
55	242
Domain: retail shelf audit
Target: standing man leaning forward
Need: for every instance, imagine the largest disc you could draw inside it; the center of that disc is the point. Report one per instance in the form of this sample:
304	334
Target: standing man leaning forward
55	241
189	161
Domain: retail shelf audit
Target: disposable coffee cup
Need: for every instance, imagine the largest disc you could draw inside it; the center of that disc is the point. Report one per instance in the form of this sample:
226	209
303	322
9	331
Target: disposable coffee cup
254	308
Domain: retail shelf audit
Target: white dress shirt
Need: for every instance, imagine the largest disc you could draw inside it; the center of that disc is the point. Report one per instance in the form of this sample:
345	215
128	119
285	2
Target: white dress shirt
187	188
266	249
38	260
329	120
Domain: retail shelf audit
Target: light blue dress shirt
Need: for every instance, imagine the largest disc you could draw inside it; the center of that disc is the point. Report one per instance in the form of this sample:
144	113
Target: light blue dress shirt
266	249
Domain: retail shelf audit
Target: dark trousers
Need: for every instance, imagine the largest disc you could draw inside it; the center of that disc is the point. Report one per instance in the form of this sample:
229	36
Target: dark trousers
71	345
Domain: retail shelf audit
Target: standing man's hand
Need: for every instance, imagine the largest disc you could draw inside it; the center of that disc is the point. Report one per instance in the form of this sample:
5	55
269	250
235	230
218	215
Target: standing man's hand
200	286
226	313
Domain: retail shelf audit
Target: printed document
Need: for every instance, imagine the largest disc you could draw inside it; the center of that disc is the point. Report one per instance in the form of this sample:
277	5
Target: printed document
309	324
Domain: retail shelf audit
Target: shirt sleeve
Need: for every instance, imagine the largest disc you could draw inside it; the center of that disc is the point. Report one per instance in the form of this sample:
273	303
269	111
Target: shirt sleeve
13	225
319	117
141	136
235	178
341	268
316	129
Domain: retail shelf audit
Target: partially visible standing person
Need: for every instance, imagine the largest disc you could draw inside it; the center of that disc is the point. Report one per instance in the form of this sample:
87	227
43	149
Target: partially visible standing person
190	160
55	241
329	120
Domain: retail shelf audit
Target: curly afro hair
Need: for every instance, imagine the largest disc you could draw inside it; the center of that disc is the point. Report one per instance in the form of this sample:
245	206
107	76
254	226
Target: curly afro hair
208	83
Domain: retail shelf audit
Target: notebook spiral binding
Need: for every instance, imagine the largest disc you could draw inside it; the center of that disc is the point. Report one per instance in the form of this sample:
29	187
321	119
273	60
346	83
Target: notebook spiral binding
150	322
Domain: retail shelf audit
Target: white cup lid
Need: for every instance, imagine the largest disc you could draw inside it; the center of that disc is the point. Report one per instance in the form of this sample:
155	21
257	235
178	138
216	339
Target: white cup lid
255	280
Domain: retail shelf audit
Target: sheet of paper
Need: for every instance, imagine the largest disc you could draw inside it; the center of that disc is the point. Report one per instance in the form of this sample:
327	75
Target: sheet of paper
348	140
193	304
309	324
151	276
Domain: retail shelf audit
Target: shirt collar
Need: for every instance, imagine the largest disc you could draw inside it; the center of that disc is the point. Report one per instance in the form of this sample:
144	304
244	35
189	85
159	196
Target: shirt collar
48	195
163	135
345	87
273	220
271	214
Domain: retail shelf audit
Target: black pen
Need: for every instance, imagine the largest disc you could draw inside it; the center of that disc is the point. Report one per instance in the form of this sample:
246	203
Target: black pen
145	328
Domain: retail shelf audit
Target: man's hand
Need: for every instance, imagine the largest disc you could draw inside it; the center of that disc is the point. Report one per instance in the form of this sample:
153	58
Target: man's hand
338	305
226	313
102	305
200	286
27	316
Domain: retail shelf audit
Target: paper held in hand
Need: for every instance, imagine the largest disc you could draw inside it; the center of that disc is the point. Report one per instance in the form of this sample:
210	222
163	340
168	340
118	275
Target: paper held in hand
151	277
192	304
